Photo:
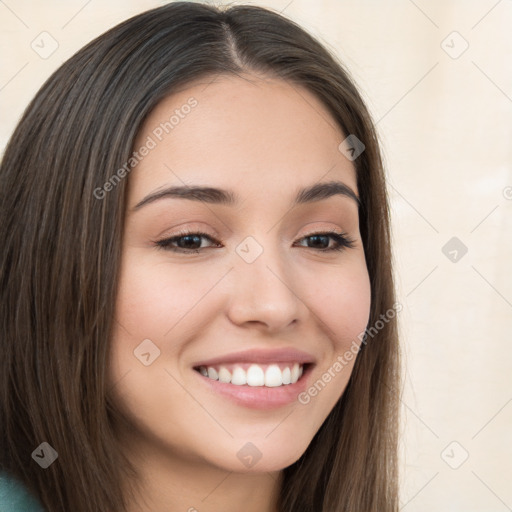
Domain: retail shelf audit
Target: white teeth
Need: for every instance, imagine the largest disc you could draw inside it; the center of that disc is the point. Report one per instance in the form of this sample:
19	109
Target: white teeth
295	373
255	376
239	377
273	377
224	375
212	373
270	376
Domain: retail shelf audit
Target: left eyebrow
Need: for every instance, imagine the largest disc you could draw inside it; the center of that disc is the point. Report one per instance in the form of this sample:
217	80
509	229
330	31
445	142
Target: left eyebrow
212	195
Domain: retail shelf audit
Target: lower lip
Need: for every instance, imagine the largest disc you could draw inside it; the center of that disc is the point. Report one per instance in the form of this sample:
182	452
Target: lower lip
259	397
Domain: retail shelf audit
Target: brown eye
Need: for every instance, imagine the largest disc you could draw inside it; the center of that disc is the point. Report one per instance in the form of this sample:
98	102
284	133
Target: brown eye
321	241
185	242
189	242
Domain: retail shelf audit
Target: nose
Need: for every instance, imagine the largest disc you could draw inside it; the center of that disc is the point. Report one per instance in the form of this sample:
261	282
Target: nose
264	294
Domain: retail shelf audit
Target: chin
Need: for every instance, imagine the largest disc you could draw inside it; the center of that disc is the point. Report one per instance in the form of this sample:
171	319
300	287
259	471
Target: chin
249	458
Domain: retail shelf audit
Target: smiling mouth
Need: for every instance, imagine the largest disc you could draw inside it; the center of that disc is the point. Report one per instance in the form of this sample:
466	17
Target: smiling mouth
255	375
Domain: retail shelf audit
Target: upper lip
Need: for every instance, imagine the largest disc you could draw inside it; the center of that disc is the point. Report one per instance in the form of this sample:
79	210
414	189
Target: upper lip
260	356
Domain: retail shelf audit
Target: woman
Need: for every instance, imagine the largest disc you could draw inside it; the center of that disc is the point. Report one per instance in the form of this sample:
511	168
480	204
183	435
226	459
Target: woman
197	299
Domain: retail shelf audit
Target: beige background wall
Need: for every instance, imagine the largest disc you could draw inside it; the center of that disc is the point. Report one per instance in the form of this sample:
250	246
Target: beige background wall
444	113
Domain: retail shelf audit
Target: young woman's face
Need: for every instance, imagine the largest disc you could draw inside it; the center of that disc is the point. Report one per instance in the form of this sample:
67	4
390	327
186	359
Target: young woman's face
256	298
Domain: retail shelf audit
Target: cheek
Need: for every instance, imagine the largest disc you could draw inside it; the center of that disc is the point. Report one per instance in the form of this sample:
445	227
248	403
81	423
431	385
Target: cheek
342	300
153	298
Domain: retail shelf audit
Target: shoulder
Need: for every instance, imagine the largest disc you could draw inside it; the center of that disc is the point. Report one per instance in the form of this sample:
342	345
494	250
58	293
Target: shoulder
15	498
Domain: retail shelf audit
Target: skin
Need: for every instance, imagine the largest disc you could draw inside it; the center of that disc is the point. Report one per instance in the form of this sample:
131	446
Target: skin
263	139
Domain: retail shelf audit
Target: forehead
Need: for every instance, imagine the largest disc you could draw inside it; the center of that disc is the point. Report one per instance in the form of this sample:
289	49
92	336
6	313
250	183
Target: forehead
260	136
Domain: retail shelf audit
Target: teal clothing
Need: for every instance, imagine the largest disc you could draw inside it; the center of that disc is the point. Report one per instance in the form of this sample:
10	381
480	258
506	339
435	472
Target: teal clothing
15	498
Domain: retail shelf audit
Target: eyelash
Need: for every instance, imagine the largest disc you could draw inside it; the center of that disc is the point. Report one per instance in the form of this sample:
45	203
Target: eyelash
342	240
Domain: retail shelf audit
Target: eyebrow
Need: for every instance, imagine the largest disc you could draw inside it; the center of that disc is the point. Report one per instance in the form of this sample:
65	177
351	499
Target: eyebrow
213	195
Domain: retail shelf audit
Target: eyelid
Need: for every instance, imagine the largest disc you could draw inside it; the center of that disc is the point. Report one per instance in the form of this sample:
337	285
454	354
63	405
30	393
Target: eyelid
163	243
340	237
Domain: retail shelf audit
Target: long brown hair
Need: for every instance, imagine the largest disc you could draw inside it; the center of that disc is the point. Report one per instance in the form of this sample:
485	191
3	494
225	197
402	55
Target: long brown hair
61	248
